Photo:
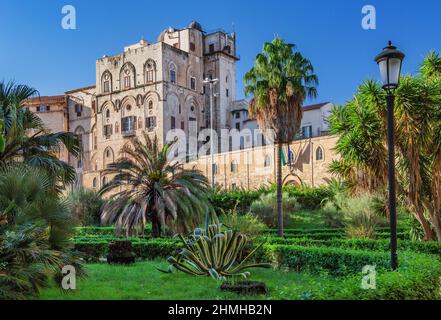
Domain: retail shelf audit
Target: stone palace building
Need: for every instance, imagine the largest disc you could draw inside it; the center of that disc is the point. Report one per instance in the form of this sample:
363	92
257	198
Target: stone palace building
158	87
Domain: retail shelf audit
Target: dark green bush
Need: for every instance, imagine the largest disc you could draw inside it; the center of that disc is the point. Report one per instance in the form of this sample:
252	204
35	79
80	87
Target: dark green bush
431	247
94	249
99	231
335	261
309	197
224	200
417	279
85	206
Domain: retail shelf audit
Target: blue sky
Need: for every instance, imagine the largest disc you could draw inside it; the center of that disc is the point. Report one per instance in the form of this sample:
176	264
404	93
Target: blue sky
35	49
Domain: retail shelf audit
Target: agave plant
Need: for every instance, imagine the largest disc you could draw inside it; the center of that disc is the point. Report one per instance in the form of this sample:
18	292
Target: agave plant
213	252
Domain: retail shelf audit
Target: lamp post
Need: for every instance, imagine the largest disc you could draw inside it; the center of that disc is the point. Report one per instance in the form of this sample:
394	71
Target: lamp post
389	62
211	82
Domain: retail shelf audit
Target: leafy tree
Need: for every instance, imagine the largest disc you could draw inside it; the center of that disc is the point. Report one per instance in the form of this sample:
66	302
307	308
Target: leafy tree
35	228
361	125
27	139
85	206
147	185
279	82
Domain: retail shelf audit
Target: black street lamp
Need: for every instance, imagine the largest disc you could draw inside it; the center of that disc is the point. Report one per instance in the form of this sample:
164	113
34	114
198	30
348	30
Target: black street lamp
389	62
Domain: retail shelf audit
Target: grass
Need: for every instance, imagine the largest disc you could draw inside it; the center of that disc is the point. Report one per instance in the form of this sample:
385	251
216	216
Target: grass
306	219
143	281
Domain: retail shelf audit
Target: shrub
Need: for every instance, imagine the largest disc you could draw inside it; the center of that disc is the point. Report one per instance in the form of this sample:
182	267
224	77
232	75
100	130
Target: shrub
309	197
360	215
416	279
246	223
85	206
120	252
336	261
333	217
431	247
224	200
265	208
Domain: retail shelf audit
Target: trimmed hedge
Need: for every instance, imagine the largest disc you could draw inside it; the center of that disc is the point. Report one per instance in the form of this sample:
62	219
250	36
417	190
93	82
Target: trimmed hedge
337	235
431	247
143	249
336	261
418	276
102	231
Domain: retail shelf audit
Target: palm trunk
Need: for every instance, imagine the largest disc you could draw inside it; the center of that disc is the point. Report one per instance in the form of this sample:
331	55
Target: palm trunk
279	191
156	226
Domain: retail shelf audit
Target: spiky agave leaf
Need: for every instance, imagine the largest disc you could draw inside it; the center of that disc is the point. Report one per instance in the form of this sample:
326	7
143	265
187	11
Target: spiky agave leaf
216	255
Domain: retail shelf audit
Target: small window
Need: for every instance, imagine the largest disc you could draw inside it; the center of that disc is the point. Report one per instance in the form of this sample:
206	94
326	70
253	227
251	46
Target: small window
227	93
215	168
107	113
173	123
319	154
93	106
128	125
172	76
182	125
78	109
150	73
234	166
43	109
104	181
127	83
106	86
107	130
267	162
192	46
179	109
94	183
237	115
150	122
238	126
193	83
307	132
211	48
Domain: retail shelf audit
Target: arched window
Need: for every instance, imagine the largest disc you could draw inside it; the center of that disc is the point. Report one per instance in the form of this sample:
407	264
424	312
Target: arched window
106	82
108	113
234	166
319	154
267	162
108	157
104	181
127	76
150	71
94	183
172	73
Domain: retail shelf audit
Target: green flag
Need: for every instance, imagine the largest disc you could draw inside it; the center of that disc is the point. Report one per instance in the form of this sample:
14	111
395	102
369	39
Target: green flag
282	155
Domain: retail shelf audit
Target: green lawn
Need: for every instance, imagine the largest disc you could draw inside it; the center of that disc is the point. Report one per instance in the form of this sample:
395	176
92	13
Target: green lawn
143	281
306	219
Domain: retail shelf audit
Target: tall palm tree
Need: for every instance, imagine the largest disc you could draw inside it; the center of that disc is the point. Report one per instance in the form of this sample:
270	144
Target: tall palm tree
279	82
27	139
146	185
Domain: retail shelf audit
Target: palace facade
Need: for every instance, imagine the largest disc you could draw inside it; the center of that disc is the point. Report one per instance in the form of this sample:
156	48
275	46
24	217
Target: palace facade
158	87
